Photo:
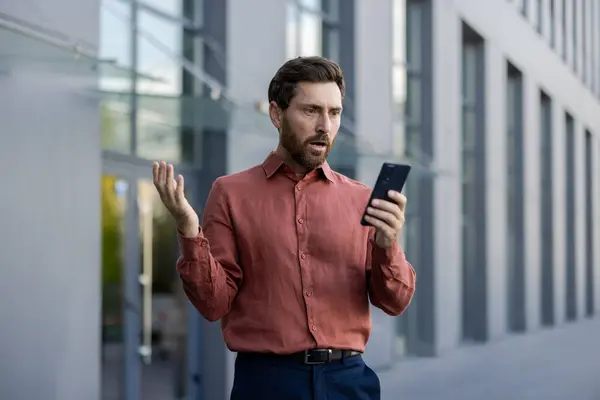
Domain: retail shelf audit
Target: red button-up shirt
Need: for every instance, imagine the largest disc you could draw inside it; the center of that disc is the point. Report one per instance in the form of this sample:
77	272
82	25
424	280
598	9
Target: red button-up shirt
286	265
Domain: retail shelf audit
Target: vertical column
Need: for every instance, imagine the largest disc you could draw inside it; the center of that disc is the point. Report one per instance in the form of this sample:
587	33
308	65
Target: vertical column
558	23
589	43
559	210
373	113
568	37
532	202
445	89
244	33
496	186
253	28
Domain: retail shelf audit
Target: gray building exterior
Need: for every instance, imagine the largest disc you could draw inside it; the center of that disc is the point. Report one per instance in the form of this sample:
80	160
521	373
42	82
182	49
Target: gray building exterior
494	103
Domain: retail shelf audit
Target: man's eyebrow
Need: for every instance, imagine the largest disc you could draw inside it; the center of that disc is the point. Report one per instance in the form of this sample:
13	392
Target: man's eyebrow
320	107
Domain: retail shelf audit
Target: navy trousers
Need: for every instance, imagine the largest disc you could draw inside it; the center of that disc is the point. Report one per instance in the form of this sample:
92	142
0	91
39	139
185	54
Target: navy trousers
265	377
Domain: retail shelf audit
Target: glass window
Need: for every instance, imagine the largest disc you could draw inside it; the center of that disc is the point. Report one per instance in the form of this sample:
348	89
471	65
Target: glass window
574	26
564	29
399	85
311	34
552	24
546	211
473	216
570	245
160	45
414	23
399	31
314	5
331	8
584	36
171	7
514	199
540	16
116	45
312	28
292	30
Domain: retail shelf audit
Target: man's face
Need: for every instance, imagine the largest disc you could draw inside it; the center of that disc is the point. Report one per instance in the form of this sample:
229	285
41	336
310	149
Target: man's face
311	123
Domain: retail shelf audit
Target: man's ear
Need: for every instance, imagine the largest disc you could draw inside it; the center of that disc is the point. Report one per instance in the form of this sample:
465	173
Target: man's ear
276	114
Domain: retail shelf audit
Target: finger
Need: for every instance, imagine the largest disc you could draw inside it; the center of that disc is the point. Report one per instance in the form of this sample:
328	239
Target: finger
180	193
387	206
389	218
162	173
380	225
170	177
155	173
397	198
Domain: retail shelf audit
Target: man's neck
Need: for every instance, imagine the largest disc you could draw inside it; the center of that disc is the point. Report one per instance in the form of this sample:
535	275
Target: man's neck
287	158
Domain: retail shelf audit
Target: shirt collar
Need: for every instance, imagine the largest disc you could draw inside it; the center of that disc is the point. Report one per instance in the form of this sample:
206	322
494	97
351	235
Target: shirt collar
273	163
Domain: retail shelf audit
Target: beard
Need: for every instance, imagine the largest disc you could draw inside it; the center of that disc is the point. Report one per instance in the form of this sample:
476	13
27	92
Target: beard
301	151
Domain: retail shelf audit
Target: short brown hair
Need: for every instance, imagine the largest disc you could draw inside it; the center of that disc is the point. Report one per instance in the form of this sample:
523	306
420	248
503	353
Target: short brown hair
282	88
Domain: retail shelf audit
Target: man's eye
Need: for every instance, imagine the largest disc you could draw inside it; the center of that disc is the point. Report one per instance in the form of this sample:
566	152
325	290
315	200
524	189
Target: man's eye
310	110
336	112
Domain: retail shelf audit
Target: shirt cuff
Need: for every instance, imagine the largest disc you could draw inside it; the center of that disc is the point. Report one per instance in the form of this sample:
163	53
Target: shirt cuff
384	256
192	246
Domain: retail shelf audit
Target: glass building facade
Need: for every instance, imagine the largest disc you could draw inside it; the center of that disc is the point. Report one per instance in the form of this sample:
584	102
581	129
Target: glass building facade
502	195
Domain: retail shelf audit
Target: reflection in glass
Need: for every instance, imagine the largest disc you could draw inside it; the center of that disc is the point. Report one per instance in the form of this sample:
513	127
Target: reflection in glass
314	5
159	43
115	125
399	90
171	7
165	376
331	42
311	34
414	39
292	30
115	44
399	31
114	202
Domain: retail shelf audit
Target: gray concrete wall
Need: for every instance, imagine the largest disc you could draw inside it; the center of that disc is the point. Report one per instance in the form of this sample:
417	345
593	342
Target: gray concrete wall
50	219
542	68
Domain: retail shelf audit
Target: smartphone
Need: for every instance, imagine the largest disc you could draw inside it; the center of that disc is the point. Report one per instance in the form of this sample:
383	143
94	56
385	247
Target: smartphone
391	177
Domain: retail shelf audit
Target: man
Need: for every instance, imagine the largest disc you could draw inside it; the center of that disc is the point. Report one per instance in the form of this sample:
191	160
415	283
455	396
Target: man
282	259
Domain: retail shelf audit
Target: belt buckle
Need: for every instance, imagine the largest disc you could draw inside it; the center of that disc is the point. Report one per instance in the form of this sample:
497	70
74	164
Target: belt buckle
307	352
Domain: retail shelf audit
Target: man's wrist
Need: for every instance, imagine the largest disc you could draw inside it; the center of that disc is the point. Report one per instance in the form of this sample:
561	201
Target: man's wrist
188	229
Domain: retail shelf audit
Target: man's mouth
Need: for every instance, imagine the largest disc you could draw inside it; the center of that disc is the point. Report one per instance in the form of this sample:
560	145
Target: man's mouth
318	144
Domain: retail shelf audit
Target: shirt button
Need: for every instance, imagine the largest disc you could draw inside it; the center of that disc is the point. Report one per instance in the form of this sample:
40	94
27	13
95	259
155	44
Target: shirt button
314	328
303	256
298	188
300	221
308	294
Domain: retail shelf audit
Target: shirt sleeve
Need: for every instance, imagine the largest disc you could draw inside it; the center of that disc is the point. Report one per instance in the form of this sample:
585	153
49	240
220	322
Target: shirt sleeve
390	277
208	266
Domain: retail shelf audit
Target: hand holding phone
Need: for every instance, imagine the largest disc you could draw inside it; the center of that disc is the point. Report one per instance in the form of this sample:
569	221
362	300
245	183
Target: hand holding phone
391	177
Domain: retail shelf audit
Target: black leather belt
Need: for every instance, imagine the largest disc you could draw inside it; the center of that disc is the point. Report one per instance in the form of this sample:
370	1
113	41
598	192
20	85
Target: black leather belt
324	356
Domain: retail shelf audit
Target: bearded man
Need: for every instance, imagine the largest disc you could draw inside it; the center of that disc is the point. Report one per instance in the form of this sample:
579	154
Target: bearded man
281	258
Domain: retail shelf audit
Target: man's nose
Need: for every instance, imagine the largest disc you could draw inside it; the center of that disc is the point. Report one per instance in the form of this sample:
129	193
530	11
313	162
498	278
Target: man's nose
324	125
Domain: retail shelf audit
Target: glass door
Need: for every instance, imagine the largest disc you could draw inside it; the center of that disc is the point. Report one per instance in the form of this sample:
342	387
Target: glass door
114	209
144	308
164	304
